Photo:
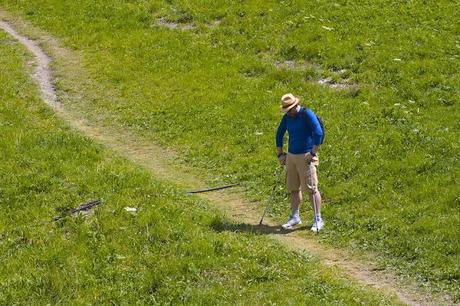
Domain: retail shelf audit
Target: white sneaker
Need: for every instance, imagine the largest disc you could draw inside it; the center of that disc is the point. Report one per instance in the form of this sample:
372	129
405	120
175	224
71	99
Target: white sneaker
317	225
293	220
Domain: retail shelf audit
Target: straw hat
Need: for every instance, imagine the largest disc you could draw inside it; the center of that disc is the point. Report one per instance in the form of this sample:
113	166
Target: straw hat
288	101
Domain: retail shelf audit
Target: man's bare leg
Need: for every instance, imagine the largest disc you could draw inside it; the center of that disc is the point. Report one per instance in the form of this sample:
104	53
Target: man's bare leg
296	198
294	218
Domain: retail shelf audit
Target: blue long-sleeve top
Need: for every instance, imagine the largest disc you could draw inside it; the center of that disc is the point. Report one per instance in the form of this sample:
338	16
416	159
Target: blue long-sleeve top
304	131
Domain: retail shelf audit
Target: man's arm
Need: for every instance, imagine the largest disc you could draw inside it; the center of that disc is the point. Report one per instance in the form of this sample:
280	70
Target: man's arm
279	140
280	135
317	131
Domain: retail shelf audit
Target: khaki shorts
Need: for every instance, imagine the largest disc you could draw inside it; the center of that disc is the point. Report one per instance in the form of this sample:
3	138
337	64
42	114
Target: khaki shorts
300	175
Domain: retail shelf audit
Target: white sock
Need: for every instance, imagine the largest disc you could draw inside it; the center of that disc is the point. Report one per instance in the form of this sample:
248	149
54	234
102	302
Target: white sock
318	216
295	213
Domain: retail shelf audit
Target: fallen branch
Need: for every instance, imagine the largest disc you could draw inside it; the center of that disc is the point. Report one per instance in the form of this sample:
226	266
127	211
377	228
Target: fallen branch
83	207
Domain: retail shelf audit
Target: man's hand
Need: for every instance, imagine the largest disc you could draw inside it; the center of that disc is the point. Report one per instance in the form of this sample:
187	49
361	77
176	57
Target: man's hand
308	157
282	159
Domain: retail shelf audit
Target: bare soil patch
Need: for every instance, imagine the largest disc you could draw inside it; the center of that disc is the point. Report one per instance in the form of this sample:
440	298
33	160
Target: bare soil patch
165	23
335	79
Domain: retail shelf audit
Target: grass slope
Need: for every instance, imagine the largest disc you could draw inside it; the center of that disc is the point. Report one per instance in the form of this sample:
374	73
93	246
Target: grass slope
390	162
167	253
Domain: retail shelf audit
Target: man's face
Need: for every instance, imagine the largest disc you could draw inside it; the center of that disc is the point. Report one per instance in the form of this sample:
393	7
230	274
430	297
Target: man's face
293	111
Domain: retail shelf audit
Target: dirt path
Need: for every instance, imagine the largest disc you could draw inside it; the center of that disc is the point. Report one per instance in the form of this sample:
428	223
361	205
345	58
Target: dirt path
246	215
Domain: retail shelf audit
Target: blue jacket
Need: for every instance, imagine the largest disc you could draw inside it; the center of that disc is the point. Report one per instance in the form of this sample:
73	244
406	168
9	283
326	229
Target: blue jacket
304	131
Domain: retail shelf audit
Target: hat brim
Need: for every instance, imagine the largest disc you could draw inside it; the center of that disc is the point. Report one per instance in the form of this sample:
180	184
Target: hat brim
285	110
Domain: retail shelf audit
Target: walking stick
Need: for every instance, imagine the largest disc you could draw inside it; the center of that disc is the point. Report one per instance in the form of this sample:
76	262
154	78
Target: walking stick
313	199
277	174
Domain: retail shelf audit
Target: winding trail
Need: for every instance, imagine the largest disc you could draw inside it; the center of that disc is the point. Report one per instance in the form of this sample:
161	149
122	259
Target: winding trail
159	161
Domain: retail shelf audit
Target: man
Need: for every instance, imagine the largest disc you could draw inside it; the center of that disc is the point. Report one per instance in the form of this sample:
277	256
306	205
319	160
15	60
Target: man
305	138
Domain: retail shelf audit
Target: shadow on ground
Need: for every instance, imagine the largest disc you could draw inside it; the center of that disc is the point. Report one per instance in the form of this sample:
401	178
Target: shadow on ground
263	229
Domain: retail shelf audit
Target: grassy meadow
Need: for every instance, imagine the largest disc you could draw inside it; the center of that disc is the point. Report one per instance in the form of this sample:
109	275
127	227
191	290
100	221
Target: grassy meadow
204	78
166	253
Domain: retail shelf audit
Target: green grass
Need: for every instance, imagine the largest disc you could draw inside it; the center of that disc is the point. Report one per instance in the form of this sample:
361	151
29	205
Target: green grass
390	163
169	252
